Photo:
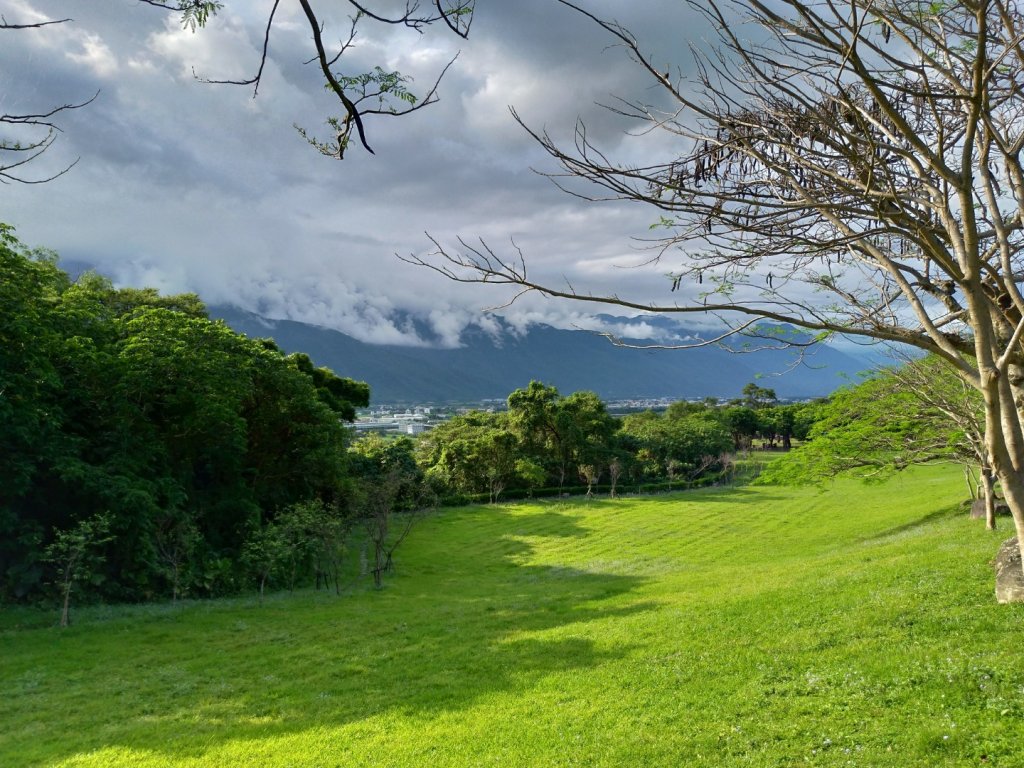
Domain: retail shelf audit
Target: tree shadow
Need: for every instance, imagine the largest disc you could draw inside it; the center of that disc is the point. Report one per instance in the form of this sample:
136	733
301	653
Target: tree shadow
931	517
467	615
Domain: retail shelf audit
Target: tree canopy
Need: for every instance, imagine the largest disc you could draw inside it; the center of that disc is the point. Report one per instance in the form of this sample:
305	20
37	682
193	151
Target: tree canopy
177	430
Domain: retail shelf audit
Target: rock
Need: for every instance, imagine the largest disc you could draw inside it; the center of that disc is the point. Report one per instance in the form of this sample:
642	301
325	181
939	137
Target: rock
978	509
1009	576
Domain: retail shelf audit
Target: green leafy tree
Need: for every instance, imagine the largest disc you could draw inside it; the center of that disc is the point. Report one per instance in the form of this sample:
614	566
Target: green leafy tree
340	394
305	540
389	482
296	442
742	422
175	428
529	473
755	396
30	417
77	553
902	416
591	430
777	423
476	453
175	540
265	550
674	444
561	433
536	420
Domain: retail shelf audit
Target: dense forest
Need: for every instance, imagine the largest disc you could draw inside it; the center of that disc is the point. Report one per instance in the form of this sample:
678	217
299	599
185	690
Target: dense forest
141	436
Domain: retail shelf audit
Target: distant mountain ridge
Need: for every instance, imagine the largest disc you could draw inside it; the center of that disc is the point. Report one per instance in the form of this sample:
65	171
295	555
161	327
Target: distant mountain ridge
485	367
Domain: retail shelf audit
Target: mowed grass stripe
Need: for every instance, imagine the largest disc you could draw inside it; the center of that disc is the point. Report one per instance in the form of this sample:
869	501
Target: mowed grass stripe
851	625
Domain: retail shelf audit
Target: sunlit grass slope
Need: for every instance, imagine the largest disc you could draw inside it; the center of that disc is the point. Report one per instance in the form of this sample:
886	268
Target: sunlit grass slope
852	625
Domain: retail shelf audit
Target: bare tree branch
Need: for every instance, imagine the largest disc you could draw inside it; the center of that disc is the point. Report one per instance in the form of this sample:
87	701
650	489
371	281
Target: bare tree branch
257	78
16	154
32	25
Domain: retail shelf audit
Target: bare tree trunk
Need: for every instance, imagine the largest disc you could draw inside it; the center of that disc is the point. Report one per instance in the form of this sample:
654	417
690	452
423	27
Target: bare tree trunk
65	613
973	492
1005	464
378	563
989	494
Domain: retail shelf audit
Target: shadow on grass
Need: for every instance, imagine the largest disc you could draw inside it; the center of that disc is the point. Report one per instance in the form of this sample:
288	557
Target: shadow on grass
943	513
184	682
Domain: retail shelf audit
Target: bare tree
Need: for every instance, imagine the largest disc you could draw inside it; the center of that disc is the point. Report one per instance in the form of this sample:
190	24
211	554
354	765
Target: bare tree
175	540
385	529
857	170
591	474
614	473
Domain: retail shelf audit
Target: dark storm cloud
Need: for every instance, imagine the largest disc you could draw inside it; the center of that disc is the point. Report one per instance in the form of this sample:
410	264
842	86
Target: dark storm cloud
190	186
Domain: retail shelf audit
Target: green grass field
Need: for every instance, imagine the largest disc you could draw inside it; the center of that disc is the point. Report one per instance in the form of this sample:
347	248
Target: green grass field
848	626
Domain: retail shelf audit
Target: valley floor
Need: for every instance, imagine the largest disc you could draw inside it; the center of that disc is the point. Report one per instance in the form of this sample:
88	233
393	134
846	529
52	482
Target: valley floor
759	626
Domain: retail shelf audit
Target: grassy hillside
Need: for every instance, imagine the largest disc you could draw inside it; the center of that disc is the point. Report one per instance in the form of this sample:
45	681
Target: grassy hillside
754	627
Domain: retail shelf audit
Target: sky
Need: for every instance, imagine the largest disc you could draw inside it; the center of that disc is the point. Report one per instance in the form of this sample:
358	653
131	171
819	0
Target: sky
188	186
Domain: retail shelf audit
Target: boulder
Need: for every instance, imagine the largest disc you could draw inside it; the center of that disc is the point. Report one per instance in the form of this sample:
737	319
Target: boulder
978	508
1009	576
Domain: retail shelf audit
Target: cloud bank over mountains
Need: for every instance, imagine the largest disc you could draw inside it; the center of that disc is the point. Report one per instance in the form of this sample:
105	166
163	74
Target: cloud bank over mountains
187	186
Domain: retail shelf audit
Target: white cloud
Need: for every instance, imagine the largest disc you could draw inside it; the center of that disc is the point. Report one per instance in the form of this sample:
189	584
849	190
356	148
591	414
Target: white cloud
95	54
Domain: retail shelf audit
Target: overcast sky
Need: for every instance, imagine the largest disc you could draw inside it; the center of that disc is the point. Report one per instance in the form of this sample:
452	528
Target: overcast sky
194	187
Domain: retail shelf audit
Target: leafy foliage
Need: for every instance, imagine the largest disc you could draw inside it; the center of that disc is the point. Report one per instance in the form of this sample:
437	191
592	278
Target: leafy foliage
546	440
181	433
897	418
195	13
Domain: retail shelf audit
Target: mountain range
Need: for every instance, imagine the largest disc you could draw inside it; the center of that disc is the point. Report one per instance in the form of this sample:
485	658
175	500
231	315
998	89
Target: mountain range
490	366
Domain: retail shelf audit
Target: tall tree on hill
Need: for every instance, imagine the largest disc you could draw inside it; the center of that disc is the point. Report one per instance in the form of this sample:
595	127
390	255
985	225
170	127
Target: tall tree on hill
855	168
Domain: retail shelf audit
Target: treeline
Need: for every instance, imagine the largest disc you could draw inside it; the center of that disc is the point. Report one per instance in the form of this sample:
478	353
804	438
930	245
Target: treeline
146	451
545	443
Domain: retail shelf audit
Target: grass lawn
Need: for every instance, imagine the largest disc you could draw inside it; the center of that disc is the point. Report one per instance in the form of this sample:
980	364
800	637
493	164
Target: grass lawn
848	626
